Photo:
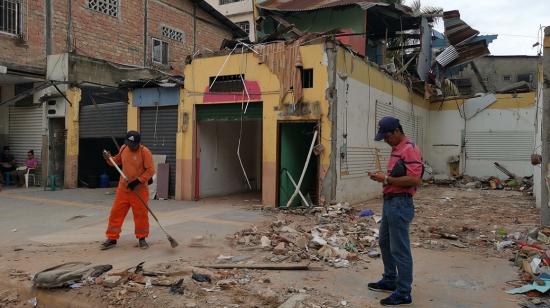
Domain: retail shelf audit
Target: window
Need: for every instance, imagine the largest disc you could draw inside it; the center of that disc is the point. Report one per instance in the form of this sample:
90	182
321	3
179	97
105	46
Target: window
160	52
107	7
227	83
307	78
222	2
507	77
464	85
525	77
172	34
245	25
11	17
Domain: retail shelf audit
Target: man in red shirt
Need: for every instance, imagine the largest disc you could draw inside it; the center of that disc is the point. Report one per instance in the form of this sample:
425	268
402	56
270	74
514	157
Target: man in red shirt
403	176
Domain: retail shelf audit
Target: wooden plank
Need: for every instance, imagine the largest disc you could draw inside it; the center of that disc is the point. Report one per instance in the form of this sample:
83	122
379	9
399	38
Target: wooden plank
266	266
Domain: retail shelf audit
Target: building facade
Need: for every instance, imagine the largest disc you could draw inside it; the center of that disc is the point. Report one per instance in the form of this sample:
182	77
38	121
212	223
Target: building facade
86	47
241	12
497	73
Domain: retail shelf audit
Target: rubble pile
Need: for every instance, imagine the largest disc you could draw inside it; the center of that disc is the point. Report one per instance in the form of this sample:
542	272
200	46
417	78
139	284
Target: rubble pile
334	234
470	220
523	184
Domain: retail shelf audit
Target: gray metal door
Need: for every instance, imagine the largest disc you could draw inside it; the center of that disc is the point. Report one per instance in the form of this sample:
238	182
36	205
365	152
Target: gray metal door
111	119
25	133
158	133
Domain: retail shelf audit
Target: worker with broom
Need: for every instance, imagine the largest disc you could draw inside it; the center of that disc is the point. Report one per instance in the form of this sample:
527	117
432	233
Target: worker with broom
137	165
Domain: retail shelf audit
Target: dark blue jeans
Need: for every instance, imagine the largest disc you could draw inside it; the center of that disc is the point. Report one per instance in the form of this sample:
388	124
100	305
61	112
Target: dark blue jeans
395	245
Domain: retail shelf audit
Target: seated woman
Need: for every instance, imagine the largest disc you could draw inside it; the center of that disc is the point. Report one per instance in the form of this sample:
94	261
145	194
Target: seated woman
30	163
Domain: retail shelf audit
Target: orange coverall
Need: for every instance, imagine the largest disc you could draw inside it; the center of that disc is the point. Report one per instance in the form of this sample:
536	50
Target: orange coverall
135	165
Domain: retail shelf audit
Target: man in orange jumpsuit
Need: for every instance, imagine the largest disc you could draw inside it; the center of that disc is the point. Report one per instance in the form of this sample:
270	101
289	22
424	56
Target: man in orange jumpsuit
137	165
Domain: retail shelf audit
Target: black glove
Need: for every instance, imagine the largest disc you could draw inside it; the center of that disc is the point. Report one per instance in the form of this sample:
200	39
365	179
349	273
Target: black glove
132	185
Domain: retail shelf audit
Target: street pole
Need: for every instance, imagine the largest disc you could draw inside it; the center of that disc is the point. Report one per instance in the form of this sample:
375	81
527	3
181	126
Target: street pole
545	134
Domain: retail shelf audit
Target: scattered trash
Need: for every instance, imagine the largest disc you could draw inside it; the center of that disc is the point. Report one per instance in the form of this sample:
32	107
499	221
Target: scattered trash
266	242
201	277
501	245
373	254
33	302
340	263
13	230
343	303
75	286
366	213
177	288
148	283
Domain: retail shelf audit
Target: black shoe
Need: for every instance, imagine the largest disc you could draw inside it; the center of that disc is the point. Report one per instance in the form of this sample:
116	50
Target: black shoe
108	244
396	300
142	243
382	286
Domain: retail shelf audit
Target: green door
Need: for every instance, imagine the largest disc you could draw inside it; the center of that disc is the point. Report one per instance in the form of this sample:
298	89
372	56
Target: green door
295	141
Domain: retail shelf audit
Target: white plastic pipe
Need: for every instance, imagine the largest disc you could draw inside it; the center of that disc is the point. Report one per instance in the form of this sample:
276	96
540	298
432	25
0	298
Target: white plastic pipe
303	171
295	186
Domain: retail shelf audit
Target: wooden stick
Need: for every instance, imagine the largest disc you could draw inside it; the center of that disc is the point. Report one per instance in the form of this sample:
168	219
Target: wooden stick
377	156
265	266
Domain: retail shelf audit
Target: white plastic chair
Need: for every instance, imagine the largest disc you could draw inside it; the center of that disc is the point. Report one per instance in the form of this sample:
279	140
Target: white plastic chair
28	175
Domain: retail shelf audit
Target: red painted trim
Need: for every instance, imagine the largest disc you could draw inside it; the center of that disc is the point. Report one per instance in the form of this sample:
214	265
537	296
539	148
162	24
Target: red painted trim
253	88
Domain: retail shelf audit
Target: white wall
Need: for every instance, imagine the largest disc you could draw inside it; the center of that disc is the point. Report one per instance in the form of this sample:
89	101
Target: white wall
237	12
445	132
220	171
360	100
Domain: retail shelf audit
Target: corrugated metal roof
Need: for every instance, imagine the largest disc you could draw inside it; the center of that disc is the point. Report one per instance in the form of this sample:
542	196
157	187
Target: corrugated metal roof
310	5
456	30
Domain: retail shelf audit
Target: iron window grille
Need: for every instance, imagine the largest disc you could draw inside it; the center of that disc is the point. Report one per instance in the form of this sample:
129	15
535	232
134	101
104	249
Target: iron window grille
11	17
245	25
222	2
107	7
227	83
172	34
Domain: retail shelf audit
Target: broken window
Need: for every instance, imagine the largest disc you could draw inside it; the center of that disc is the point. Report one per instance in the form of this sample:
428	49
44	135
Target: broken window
507	77
227	83
160	52
222	2
307	78
11	17
525	77
107	7
464	85
245	25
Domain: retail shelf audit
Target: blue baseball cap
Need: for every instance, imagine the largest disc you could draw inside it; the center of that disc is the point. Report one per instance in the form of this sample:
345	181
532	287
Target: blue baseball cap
386	125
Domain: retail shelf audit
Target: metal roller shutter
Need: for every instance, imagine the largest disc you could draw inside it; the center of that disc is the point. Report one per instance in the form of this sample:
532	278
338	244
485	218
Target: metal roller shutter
499	145
25	133
111	120
158	133
412	124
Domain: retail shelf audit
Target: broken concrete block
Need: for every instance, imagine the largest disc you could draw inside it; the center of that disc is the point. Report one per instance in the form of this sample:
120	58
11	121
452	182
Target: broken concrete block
266	242
280	249
294	301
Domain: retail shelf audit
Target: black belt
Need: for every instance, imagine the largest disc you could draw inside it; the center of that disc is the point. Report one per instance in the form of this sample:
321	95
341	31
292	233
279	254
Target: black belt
391	196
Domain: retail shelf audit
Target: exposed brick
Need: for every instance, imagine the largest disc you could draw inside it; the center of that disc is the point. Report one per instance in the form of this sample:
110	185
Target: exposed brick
114	39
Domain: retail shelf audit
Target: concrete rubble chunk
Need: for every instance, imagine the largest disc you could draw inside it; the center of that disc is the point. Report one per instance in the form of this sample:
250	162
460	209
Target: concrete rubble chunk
280	249
294	301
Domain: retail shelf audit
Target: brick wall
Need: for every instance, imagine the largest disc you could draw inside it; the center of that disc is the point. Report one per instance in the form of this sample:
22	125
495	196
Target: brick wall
117	39
31	50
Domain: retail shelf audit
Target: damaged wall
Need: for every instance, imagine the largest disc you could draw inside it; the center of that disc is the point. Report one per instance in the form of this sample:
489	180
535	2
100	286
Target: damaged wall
362	89
199	72
504	133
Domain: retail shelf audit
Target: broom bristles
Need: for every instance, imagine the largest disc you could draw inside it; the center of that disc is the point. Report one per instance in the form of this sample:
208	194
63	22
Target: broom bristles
172	241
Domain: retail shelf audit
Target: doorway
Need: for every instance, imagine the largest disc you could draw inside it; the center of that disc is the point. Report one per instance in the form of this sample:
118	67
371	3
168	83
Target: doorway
294	143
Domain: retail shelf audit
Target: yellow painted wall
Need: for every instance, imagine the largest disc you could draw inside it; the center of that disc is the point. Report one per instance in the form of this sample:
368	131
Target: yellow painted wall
133	114
504	101
197	80
363	71
71	144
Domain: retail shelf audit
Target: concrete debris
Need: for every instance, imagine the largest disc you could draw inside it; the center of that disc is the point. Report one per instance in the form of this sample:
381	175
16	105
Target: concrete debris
294	301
